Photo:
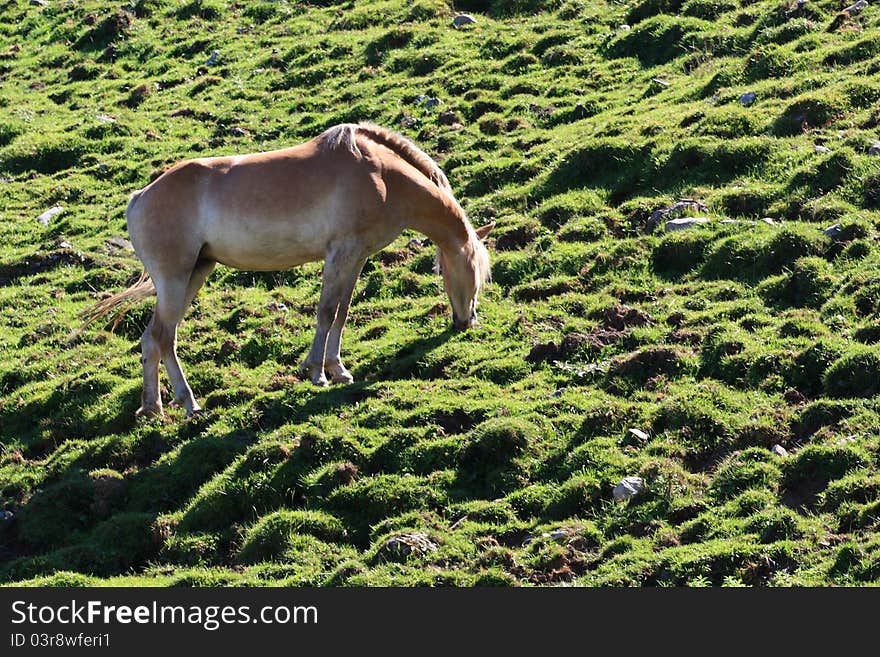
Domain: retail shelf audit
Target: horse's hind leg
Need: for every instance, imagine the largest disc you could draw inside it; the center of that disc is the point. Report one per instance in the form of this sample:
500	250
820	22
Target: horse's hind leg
159	341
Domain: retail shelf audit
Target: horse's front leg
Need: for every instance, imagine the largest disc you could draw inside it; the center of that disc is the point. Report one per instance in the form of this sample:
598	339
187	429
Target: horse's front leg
333	358
341	268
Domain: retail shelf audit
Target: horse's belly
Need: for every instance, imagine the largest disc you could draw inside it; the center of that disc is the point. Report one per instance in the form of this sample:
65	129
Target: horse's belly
262	246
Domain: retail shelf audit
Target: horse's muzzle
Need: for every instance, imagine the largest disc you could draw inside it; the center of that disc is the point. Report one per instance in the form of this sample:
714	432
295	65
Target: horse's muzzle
464	324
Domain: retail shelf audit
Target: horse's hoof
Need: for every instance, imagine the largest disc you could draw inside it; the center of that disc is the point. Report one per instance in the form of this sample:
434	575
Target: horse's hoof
152	410
194	412
343	377
320	380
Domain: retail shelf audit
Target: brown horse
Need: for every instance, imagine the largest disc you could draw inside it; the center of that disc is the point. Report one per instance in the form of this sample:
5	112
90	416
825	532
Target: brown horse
339	198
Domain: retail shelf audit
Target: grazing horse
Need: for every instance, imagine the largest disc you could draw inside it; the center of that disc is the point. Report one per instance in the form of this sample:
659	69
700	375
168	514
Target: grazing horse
340	197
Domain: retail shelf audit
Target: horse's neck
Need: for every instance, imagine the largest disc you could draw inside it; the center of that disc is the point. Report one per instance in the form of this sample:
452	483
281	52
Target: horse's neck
447	230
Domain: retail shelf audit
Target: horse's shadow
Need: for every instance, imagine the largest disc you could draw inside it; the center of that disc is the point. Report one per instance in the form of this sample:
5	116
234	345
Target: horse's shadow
402	365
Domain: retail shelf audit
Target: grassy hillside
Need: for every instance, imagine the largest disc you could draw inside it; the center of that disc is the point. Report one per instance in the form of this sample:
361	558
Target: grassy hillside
744	352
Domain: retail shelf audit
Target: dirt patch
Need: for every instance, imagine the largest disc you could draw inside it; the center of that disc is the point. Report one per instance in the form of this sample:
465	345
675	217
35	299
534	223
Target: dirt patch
573	343
620	317
40	263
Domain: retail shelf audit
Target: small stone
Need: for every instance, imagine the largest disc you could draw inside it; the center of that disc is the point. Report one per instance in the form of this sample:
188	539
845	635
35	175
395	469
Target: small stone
239	131
821	149
64	244
833	231
463	19
40	3
213	58
627	488
658	81
874	149
48	214
779	451
415	244
105	118
559	534
556	393
624	27
276	306
748	98
684	222
768	220
641	435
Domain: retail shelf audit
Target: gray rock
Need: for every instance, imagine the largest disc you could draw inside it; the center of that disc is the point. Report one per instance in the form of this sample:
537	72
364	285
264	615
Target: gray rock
677	209
624	27
448	118
119	242
684	222
819	148
105	118
463	19
213	58
748	98
628	487
769	221
833	231
404	545
779	450
39	3
48	214
6	519
276	306
874	149
415	244
857	7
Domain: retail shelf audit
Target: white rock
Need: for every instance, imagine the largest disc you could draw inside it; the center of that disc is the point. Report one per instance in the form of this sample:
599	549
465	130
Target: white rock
48	214
105	118
768	220
821	149
463	19
638	433
779	450
624	28
684	222
628	487
874	149
833	231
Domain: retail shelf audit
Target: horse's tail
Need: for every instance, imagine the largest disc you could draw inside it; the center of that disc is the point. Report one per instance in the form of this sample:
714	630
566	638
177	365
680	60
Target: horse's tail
118	303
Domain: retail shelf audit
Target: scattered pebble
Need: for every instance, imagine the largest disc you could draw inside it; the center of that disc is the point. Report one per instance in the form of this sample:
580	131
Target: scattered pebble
213	58
848	439
105	118
628	487
748	98
676	210
821	149
463	19
415	244
833	231
624	27
641	435
769	221
684	222
48	214
779	450
276	306
874	149
239	131
556	393
64	244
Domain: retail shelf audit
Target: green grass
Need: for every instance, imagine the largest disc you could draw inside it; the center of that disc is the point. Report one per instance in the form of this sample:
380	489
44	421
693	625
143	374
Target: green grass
500	446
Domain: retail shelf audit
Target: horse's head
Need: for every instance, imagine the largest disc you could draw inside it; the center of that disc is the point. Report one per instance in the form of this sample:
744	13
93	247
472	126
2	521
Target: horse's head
464	273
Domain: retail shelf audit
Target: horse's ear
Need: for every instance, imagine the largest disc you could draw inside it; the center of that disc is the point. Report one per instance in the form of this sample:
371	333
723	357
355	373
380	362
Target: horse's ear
483	231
